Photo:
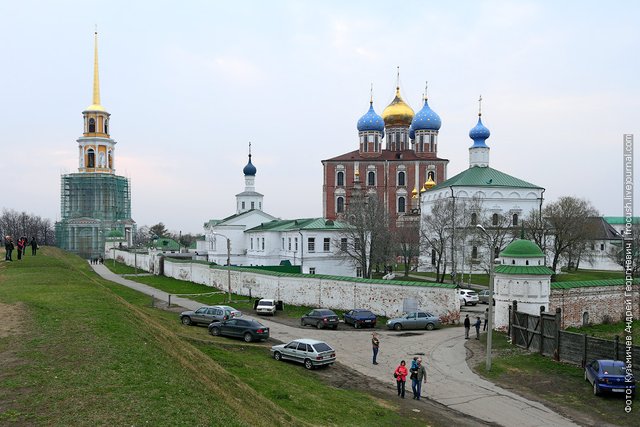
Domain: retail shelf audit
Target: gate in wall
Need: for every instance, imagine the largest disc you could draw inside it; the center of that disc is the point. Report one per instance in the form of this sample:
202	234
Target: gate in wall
535	333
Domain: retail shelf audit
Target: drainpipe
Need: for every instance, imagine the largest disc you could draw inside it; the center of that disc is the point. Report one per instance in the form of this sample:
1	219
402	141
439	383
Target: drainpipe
301	251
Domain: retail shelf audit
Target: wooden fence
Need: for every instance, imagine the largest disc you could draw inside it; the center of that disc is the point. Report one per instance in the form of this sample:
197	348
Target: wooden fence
542	334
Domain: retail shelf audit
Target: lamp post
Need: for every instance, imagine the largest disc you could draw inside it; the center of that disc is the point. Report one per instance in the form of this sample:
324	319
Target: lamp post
228	265
491	278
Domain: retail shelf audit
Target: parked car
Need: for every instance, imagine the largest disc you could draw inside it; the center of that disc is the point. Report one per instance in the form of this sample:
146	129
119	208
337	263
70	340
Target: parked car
320	318
414	320
266	306
249	330
468	296
207	314
311	353
608	376
359	318
483	297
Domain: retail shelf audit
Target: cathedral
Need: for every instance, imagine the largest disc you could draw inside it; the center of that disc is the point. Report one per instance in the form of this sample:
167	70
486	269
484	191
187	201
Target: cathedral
396	170
95	203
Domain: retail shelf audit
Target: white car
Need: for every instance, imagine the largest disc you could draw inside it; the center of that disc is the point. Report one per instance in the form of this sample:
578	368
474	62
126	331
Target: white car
266	306
311	353
468	296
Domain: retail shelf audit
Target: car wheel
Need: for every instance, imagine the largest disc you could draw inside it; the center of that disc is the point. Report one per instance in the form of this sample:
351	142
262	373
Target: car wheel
429	326
596	390
308	364
319	325
397	327
464	301
474	303
356	325
248	337
302	322
214	331
277	355
186	320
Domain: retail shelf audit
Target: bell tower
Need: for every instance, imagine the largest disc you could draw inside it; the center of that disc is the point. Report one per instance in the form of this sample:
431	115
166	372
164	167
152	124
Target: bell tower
96	149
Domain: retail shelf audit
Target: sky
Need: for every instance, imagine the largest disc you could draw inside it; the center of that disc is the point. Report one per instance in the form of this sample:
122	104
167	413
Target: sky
190	84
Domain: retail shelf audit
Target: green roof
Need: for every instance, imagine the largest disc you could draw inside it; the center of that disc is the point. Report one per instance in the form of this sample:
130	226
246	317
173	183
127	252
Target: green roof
522	248
115	233
165	244
484	177
591	283
535	270
300	224
620	220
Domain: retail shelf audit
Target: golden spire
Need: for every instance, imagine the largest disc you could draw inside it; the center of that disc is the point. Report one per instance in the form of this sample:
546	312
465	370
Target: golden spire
96	106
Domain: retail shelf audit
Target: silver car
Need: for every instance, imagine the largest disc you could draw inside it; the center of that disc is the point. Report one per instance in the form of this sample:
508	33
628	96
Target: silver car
310	352
207	314
414	320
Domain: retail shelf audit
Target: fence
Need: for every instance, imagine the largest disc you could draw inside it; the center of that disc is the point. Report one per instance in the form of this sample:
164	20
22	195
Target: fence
543	334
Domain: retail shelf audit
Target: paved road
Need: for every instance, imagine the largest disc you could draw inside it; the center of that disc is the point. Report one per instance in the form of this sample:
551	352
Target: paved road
457	386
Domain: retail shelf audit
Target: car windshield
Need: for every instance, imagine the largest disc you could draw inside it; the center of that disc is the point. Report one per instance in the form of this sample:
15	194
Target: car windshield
269	303
321	347
326	313
613	370
471	293
364	313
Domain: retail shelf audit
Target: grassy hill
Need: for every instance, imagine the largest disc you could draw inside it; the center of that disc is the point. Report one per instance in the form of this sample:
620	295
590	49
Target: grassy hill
78	350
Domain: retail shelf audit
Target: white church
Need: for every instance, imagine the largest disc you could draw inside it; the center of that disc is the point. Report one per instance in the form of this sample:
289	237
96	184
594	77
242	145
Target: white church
252	237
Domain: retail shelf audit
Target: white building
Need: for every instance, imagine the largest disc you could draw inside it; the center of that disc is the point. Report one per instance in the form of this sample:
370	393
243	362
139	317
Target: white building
252	237
491	198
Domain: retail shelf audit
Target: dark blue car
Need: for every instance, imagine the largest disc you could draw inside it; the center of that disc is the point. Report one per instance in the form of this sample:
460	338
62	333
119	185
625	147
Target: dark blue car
359	318
609	376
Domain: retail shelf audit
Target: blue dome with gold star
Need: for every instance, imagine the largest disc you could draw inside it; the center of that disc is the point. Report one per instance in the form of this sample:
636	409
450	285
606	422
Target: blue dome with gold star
426	119
371	121
479	134
249	169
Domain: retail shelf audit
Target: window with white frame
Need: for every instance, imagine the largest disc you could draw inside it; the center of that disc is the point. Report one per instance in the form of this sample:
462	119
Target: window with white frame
343	244
340	204
251	243
340	178
371	178
283	243
296	243
311	244
358	271
356	244
401	204
515	219
326	246
401	178
263	243
253	205
312	270
289	243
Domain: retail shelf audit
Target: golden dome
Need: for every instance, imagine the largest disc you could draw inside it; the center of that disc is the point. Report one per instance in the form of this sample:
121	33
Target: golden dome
398	113
414	193
429	183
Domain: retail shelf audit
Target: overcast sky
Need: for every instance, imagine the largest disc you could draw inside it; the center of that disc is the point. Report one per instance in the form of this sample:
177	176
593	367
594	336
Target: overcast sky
189	84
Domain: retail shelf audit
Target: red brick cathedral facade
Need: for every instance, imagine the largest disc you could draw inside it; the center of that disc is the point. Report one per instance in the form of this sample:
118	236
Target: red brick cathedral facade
397	173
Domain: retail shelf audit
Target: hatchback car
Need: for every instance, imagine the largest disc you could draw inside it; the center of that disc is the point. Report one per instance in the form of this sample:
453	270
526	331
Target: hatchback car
207	314
359	318
320	318
311	353
414	320
468	296
249	330
609	376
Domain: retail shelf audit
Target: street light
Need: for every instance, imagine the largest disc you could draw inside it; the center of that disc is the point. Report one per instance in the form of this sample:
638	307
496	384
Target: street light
491	278
228	264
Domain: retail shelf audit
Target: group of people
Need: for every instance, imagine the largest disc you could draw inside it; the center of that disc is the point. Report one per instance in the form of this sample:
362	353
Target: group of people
417	372
97	260
21	245
476	324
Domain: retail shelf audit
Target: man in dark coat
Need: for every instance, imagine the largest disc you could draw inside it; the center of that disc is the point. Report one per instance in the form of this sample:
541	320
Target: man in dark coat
467	326
34	245
8	246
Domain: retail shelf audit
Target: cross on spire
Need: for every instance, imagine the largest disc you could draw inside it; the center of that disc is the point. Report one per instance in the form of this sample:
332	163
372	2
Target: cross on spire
480	106
371	95
426	88
398	78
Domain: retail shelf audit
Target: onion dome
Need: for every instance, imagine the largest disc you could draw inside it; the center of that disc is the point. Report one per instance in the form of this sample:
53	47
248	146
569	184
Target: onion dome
429	183
249	169
414	193
412	132
371	121
426	119
479	134
398	113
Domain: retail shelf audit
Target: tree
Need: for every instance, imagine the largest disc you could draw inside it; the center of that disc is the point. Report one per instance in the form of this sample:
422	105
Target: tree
435	232
366	239
159	230
22	224
498	233
407	241
143	236
568	219
537	228
628	257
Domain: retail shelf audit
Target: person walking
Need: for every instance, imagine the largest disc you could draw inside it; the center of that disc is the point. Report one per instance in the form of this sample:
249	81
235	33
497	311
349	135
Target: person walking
20	245
8	247
477	325
419	375
34	245
400	374
375	346
486	319
467	326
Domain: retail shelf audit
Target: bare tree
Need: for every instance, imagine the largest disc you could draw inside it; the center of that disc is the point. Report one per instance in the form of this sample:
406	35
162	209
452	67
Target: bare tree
22	224
407	241
499	233
631	258
435	234
568	218
366	239
537	229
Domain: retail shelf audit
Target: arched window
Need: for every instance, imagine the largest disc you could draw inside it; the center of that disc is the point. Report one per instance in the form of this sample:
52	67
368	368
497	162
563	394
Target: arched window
494	219
585	318
527	262
340	205
474	218
106	126
92	125
401	204
340	179
515	219
91	157
401	178
474	252
371	178
432	175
